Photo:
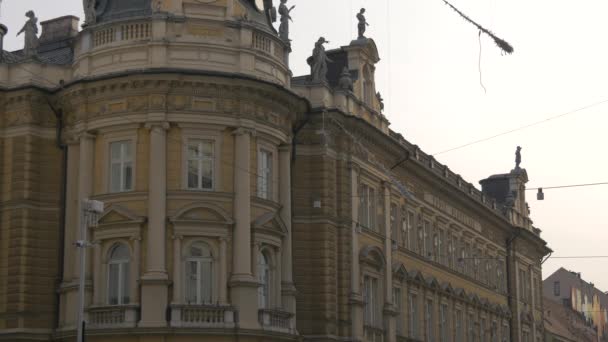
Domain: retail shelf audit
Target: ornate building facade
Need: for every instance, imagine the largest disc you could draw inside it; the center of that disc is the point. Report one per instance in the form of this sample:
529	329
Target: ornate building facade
241	204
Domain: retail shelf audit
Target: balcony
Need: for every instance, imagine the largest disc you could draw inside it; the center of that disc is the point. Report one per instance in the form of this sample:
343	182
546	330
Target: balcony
202	316
276	320
120	316
373	334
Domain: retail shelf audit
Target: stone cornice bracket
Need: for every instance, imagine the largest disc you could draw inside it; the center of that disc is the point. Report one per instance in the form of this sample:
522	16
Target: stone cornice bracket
177	237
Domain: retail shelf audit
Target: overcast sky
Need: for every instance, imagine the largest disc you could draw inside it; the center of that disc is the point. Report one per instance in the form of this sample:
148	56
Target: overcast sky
429	77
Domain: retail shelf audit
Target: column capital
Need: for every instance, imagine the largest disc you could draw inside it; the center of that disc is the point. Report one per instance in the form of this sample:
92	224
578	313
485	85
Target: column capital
164	125
85	135
353	166
244	130
177	237
135	238
286	148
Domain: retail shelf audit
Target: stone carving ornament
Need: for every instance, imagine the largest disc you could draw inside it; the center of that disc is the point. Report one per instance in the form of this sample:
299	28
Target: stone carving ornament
90	13
319	61
30	31
346	80
285	18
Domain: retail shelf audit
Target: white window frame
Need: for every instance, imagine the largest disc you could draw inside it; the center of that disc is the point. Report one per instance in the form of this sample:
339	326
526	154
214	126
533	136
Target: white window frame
443	322
266	288
200	159
189	134
367	206
371	295
265	173
122	161
429	319
413	325
212	260
122	264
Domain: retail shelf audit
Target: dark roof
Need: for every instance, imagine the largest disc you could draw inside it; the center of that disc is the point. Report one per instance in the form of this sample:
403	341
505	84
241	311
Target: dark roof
60	56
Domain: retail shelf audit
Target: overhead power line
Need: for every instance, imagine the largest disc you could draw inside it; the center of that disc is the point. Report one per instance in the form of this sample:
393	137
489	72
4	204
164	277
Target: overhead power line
568	186
523	127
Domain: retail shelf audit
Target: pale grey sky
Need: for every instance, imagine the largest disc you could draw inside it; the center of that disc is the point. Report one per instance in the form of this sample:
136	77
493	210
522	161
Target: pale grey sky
430	81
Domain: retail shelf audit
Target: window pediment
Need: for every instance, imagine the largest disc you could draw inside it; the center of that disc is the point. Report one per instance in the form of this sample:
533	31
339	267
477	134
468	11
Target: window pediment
117	214
270	222
202	213
372	256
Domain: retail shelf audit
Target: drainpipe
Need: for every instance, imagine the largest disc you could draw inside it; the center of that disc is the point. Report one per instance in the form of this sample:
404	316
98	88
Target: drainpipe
62	217
510	295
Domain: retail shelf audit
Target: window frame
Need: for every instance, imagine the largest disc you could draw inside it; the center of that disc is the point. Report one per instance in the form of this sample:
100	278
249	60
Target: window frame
266	291
413	326
200	159
204	135
372	315
121	286
213	261
368	206
268	192
110	163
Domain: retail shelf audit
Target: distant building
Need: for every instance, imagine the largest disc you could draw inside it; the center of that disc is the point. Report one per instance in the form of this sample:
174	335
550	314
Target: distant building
562	324
572	291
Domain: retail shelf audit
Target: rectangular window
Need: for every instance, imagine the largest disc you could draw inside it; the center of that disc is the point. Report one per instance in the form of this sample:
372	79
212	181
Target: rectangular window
393	217
458	327
522	286
200	164
506	333
411	225
430	321
471	328
405	229
428	238
121	166
441	248
265	175
367	207
398	305
413	325
371	301
482	330
494	332
443	322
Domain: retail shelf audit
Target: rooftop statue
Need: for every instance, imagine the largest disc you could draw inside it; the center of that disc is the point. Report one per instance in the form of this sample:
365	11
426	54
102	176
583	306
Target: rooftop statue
30	31
285	18
319	61
362	23
518	157
90	12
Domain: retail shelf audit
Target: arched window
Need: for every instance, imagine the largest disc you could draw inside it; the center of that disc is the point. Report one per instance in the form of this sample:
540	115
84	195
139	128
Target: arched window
264	277
118	275
199	274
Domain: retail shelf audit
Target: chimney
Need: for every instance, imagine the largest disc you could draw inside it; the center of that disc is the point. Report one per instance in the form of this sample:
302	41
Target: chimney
59	29
3	31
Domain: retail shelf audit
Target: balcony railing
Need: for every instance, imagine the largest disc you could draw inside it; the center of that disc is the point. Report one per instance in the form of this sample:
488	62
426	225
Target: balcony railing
373	334
276	320
123	316
202	316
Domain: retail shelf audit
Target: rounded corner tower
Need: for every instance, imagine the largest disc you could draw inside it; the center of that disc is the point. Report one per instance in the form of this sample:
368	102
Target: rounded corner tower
221	36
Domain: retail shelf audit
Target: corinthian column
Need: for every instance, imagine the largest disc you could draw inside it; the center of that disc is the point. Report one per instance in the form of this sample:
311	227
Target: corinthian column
243	284
155	280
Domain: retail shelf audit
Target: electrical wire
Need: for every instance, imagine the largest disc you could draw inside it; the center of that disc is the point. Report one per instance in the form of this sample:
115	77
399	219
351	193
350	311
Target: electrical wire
523	127
568	186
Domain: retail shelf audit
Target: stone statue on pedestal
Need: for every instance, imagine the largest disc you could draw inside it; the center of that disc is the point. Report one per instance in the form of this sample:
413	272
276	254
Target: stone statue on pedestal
517	158
90	12
319	61
362	23
285	18
30	31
